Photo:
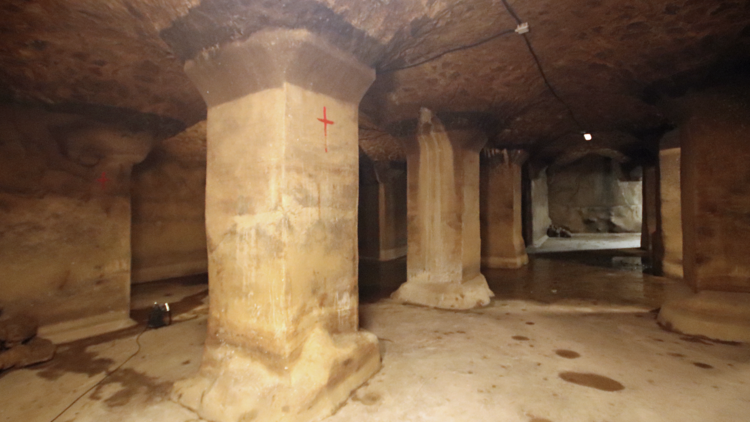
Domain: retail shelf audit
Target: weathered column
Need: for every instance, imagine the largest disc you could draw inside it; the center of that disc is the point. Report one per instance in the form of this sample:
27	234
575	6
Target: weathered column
382	210
715	207
539	206
281	222
66	220
649	222
501	214
670	206
444	255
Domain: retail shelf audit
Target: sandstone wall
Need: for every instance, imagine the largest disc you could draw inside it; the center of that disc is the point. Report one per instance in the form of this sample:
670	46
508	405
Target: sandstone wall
65	216
540	220
670	205
381	210
169	226
592	195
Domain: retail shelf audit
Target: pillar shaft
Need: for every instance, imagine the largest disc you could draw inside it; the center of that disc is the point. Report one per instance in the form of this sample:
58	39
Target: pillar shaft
649	223
501	215
281	223
715	196
671	206
95	296
444	246
382	211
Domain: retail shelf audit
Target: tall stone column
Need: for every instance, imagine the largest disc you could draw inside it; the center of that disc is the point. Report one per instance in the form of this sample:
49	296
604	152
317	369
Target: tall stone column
715	153
444	246
94	297
281	222
649	223
670	206
501	213
382	210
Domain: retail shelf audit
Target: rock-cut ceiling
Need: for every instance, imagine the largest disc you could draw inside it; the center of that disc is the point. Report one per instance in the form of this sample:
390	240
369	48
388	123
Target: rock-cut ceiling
603	60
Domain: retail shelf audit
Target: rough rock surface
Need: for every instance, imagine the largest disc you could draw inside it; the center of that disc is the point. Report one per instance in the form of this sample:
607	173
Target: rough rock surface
36	350
603	57
593	195
17	329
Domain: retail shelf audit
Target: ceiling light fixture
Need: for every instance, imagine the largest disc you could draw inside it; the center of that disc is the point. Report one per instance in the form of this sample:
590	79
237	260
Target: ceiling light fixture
587	136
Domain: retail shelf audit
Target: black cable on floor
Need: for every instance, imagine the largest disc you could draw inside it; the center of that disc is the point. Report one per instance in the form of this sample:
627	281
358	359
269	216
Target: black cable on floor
138	342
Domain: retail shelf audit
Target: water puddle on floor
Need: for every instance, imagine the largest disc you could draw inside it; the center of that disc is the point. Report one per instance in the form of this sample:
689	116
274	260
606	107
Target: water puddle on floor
567	354
599	382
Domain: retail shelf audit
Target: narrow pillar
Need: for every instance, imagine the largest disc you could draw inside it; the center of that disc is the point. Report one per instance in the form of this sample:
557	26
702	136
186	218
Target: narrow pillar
649	193
715	206
501	214
444	255
540	220
281	222
382	210
670	206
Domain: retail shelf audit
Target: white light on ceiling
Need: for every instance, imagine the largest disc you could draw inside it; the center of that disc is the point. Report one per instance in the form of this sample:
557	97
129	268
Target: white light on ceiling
587	136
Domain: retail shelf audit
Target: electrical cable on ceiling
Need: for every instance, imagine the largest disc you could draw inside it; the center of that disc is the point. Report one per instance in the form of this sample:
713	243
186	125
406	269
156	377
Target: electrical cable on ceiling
452	50
521	29
587	136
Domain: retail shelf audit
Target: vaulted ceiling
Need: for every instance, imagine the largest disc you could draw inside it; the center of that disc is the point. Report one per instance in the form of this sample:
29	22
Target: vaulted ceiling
604	61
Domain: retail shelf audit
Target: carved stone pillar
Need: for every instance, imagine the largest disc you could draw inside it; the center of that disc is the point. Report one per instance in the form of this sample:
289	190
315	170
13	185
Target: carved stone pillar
501	210
382	210
714	176
670	206
444	251
281	221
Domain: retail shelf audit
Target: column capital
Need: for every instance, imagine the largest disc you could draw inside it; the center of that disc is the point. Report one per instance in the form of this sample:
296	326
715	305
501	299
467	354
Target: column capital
270	58
495	156
466	130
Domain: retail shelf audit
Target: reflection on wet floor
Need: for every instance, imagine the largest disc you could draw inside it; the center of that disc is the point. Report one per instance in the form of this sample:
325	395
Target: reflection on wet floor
612	276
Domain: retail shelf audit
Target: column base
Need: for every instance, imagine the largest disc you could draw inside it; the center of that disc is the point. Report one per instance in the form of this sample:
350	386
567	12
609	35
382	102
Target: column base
721	316
452	295
503	262
235	387
671	269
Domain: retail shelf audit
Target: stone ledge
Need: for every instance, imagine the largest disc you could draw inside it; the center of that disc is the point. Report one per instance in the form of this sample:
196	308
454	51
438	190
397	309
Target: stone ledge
723	316
68	331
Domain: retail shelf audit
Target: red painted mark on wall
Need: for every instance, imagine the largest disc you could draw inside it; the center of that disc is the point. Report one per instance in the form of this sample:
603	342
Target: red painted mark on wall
325	122
103	180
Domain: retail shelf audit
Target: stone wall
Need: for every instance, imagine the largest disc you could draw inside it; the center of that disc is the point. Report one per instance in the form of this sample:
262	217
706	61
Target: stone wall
592	195
169	225
65	216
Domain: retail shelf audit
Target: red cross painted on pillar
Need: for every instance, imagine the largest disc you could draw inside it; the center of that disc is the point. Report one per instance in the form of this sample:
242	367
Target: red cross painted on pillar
103	180
325	122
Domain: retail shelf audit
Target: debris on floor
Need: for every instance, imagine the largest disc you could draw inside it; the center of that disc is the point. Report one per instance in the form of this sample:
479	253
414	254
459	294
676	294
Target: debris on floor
19	345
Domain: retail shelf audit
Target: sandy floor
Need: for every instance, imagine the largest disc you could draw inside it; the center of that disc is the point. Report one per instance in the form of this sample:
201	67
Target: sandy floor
565	340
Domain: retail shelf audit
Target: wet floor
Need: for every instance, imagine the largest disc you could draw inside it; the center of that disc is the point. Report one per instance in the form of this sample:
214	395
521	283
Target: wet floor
569	338
607	276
